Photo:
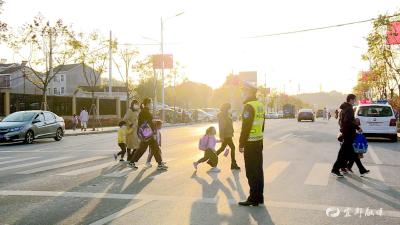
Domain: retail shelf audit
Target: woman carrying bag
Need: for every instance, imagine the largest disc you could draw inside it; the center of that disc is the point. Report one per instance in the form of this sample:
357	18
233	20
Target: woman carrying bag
131	119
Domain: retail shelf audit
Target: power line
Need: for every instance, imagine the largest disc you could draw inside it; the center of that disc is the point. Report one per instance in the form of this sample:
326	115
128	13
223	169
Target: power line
317	28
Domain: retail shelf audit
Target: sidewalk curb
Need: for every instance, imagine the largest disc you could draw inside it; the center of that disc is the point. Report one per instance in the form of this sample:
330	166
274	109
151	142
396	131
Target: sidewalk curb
114	129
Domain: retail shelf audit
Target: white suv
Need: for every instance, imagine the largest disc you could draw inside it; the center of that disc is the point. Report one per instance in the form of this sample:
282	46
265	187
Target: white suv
377	120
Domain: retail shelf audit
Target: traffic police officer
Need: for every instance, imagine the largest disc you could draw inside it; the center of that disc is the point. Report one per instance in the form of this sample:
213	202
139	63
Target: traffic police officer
251	144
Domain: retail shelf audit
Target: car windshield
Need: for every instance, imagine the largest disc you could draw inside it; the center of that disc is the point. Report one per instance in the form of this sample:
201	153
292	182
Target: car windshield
19	117
375	111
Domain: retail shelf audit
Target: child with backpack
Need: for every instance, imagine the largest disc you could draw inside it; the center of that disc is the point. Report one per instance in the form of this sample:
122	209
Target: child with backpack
121	140
157	133
207	144
146	136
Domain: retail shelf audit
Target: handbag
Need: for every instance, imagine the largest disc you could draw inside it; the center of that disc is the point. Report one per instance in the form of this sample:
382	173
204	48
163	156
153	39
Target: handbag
360	144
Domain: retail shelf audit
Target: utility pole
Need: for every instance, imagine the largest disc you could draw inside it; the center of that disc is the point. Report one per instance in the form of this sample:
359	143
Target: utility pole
50	65
162	71
110	66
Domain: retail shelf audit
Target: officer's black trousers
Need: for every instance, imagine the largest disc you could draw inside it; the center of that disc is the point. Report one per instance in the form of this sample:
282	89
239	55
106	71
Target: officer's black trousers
253	160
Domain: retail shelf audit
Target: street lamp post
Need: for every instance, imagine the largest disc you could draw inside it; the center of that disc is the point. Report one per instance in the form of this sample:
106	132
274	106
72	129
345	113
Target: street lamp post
162	64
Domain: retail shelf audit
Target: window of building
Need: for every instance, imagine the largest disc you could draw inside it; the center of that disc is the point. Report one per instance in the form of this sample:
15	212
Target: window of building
62	90
62	77
55	91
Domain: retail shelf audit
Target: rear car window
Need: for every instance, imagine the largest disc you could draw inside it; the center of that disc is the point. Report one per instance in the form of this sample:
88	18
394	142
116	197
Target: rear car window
375	111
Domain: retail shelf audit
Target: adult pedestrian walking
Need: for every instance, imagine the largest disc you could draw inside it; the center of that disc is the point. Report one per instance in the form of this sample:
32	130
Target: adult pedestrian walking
251	144
348	129
225	125
145	122
131	119
84	118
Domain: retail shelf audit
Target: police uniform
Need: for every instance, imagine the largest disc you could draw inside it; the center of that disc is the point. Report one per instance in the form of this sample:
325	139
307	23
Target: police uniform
251	139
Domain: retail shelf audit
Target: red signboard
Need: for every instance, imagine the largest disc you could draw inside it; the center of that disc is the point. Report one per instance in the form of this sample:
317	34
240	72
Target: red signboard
393	33
158	60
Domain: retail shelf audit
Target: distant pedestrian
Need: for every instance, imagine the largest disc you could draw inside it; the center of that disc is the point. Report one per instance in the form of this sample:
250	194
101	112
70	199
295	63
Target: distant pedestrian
207	144
75	121
121	140
329	115
131	119
84	118
146	133
336	114
225	125
158	126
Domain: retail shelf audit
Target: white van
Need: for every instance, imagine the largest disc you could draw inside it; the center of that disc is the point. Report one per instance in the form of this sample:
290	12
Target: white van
377	120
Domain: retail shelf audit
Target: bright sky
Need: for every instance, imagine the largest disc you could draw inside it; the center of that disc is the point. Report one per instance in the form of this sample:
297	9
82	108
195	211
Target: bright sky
208	39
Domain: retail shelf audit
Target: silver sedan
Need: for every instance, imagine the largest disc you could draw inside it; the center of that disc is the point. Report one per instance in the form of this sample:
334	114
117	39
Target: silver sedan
29	125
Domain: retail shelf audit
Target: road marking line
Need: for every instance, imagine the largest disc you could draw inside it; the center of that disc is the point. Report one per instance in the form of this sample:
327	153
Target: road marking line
126	171
120	173
278	204
87	170
274	170
319	174
17	160
121	212
373	155
33	163
285	136
3	158
56	166
273	144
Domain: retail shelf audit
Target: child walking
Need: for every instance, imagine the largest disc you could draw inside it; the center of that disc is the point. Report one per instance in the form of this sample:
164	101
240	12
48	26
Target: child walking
158	126
207	144
75	122
121	140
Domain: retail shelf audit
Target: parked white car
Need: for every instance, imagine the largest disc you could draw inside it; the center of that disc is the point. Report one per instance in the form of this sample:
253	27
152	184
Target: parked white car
377	120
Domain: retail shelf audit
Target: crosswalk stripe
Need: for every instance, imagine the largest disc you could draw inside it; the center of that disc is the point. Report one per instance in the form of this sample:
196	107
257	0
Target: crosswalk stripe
45	168
373	155
375	174
319	174
33	163
4	158
119	173
126	171
87	170
17	160
274	170
122	212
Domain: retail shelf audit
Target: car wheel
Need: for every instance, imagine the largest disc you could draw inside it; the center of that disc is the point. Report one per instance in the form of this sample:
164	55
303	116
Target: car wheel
29	137
59	134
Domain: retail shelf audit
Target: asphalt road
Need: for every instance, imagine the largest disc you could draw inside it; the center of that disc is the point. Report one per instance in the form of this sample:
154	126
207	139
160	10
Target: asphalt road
77	181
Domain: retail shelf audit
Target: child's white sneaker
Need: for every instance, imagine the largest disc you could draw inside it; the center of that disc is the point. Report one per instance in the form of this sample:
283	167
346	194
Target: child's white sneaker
162	167
148	164
195	164
215	170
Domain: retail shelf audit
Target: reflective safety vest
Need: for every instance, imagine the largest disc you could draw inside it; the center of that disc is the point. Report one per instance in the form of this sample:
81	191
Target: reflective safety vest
256	132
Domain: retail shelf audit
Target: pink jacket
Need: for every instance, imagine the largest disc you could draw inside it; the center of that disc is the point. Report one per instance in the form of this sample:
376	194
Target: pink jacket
207	142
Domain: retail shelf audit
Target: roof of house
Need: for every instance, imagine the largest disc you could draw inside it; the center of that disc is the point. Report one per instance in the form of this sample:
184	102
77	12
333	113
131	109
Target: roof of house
66	67
11	70
6	64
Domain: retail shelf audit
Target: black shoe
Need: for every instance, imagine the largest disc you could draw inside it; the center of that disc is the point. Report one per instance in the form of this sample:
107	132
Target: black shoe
363	173
337	173
248	203
235	167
